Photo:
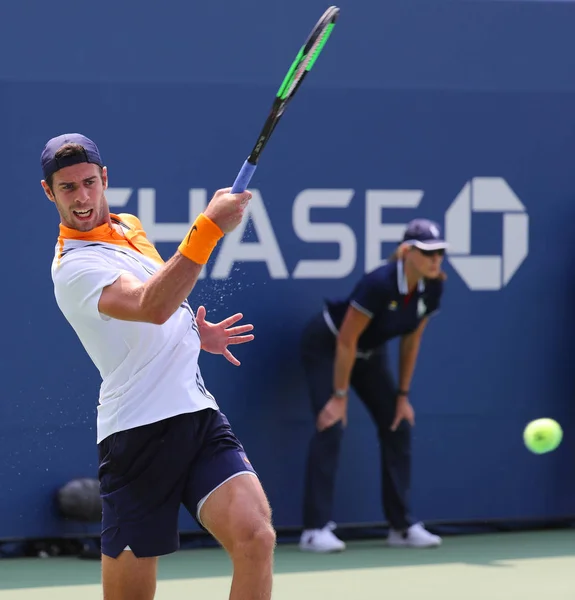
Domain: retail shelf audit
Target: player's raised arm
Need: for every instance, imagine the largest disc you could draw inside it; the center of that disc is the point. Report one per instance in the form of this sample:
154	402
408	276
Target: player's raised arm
156	300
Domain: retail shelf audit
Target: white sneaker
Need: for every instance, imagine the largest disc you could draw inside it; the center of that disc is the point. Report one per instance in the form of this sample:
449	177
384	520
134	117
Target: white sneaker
321	540
415	537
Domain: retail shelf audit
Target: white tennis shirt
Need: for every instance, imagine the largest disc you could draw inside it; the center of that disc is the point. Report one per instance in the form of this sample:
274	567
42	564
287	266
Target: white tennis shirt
149	372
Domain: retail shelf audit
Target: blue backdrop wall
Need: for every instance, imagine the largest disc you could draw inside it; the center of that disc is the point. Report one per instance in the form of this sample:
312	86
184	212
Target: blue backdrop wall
461	111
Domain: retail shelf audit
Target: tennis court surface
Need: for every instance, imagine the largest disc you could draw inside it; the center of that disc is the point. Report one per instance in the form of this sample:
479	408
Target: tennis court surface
505	566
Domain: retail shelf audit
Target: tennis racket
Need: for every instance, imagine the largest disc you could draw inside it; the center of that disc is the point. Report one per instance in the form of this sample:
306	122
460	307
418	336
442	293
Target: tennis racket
300	67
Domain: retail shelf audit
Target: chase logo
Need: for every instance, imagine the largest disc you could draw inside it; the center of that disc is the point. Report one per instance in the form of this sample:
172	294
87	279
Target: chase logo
487	194
479	195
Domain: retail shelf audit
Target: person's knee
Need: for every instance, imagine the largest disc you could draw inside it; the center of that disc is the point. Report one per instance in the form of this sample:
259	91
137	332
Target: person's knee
238	515
255	541
252	534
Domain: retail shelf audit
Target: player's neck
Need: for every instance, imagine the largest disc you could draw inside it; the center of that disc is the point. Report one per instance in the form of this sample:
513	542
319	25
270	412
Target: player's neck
105	226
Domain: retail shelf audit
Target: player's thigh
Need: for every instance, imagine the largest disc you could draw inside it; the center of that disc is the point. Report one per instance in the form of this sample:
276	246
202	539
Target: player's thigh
223	491
128	577
238	512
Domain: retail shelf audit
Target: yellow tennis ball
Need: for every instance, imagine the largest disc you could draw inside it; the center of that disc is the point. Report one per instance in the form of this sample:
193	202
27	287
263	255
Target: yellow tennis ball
542	435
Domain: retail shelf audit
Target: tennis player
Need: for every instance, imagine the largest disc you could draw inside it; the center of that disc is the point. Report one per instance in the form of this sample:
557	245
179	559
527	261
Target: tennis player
162	439
344	347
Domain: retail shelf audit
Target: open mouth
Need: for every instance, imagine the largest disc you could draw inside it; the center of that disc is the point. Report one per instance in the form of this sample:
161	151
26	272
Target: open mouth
83	215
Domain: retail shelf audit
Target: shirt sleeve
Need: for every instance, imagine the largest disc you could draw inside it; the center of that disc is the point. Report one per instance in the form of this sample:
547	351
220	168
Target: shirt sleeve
370	294
79	280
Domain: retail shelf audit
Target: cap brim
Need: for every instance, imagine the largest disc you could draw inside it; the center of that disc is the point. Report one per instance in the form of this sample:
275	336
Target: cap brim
431	245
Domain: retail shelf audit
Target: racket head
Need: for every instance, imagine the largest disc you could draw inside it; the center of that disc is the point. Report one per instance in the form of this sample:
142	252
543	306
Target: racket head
308	54
303	63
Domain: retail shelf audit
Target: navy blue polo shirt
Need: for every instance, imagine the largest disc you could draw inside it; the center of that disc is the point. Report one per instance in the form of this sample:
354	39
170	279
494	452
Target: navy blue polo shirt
382	294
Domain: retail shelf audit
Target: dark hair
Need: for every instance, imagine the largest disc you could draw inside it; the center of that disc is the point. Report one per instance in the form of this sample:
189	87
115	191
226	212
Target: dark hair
394	257
65	151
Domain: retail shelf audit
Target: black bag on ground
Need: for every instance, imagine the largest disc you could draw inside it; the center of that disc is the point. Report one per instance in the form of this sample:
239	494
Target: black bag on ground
80	500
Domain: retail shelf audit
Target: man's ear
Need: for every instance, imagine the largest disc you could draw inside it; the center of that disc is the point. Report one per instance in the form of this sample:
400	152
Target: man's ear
48	191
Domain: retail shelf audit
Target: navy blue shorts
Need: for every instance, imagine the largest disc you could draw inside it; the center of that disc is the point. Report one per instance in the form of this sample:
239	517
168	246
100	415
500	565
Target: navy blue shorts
146	473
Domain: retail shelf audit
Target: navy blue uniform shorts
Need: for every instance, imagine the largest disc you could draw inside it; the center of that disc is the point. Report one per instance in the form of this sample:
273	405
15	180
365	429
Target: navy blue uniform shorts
147	472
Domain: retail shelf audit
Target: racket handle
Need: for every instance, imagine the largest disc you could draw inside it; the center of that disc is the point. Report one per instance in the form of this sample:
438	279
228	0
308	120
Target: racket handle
243	178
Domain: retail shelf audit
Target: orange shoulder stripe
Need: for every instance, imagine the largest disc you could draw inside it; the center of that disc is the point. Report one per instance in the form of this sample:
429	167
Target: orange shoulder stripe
138	238
134	237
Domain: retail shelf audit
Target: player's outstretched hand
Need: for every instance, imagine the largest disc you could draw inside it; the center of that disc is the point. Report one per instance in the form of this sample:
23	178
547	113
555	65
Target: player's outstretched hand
217	336
226	210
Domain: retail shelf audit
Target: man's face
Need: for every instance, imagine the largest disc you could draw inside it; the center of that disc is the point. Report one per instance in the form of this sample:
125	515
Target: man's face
78	192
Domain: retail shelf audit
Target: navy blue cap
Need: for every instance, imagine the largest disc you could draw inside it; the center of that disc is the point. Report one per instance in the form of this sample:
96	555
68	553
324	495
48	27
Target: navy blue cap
424	234
51	164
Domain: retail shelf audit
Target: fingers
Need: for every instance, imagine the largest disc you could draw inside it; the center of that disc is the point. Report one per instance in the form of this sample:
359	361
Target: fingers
229	356
240	339
322	421
240	329
326	419
325	422
201	314
244	197
399	418
231	320
225	324
226	210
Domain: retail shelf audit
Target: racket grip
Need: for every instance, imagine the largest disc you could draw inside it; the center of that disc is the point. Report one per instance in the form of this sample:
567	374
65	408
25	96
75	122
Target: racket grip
243	178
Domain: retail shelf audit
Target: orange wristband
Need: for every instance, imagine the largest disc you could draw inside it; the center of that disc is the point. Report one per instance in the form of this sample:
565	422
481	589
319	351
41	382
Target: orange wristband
202	238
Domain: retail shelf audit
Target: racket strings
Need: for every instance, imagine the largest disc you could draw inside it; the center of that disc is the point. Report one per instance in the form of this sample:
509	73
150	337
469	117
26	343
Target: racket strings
319	47
307	63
